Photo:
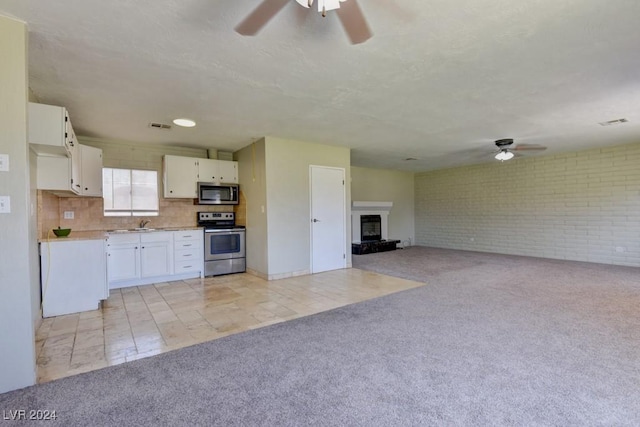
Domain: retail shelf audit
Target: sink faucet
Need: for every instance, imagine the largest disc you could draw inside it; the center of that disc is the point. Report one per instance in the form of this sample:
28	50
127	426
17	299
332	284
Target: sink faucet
143	223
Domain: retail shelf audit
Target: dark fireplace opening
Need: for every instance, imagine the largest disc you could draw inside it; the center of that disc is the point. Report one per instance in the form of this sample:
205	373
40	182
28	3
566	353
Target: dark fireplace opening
371	228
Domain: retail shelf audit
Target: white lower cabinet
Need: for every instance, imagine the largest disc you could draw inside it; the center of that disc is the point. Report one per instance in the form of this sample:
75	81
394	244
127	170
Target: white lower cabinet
156	254
73	276
123	258
153	256
188	253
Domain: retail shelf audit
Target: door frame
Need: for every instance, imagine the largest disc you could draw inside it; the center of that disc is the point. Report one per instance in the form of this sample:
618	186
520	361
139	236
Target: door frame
344	213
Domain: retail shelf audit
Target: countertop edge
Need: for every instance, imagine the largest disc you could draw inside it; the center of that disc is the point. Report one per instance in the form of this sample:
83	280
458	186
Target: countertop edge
104	234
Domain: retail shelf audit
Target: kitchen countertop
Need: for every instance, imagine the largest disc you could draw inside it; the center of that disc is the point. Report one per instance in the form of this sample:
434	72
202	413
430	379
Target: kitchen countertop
104	234
74	235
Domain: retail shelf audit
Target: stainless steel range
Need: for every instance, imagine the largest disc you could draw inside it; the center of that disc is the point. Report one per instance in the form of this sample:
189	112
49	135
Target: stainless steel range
224	251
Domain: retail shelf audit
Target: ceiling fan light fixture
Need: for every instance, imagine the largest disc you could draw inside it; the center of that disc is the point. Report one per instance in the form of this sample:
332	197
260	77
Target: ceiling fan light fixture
323	5
504	155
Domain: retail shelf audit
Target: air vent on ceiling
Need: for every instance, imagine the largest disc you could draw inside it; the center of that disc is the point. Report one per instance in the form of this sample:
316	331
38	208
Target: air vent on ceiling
613	122
159	126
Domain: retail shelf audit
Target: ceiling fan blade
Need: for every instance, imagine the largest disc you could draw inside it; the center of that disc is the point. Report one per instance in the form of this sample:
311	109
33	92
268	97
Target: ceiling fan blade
353	22
529	147
260	16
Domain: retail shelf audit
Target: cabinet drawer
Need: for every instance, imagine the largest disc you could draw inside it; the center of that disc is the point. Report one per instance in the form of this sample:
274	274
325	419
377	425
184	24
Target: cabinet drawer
188	266
155	236
188	254
188	244
115	239
186	235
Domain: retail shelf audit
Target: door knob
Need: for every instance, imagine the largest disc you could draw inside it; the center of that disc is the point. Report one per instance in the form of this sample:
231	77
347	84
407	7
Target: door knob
315	220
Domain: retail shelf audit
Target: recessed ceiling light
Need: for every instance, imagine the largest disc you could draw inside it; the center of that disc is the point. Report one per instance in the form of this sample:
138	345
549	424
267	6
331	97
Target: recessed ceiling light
187	123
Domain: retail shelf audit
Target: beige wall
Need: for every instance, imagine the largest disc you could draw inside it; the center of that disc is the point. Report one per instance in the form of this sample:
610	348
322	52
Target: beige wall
384	185
17	228
252	177
582	206
288	201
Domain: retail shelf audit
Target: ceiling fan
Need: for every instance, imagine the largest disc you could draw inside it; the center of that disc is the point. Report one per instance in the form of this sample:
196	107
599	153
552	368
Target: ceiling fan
348	12
505	153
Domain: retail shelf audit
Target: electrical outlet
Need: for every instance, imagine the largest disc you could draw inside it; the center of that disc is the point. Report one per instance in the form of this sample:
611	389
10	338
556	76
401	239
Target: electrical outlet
5	204
4	163
68	214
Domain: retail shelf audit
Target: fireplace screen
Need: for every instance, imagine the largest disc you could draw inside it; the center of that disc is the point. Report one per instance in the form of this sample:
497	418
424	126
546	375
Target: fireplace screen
371	228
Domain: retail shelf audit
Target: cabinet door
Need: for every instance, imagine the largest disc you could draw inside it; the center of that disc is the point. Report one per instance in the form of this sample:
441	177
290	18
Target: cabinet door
228	171
48	131
76	169
53	173
123	262
156	259
208	170
91	166
180	177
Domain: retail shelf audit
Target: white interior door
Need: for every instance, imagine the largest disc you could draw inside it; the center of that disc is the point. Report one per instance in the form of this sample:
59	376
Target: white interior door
328	216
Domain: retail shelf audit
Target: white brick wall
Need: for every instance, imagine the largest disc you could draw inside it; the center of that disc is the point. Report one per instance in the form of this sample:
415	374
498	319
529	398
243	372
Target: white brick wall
582	206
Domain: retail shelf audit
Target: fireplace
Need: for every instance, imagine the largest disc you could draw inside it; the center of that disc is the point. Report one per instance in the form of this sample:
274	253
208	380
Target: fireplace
377	210
371	228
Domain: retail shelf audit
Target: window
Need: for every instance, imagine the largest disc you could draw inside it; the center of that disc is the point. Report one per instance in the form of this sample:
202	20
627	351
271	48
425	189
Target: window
130	192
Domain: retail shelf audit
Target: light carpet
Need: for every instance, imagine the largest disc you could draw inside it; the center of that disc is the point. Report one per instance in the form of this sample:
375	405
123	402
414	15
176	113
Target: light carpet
490	340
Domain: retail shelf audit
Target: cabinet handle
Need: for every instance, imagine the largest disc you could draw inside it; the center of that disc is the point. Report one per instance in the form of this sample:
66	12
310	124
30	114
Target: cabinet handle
77	185
186	255
187	266
187	245
170	191
86	188
136	247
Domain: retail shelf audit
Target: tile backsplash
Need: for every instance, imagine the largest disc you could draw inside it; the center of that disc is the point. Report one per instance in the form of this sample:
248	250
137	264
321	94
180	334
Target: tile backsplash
89	216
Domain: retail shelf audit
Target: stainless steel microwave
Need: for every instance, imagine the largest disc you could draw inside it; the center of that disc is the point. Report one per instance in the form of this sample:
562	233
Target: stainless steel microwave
217	194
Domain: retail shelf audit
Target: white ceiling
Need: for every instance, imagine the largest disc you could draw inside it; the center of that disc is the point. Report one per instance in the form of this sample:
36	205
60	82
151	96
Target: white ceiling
439	81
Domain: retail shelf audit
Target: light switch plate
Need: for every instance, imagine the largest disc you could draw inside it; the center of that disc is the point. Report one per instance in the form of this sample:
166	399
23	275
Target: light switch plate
5	204
68	214
4	163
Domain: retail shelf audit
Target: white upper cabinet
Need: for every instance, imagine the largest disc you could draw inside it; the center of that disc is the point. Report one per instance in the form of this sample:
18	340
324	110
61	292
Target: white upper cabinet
182	174
50	130
218	171
228	171
180	177
79	174
62	165
208	170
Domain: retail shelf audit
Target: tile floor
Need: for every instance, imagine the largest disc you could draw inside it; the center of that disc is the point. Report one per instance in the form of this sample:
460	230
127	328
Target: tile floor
143	321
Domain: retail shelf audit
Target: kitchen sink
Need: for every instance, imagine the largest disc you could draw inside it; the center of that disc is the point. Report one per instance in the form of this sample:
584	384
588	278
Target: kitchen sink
143	229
